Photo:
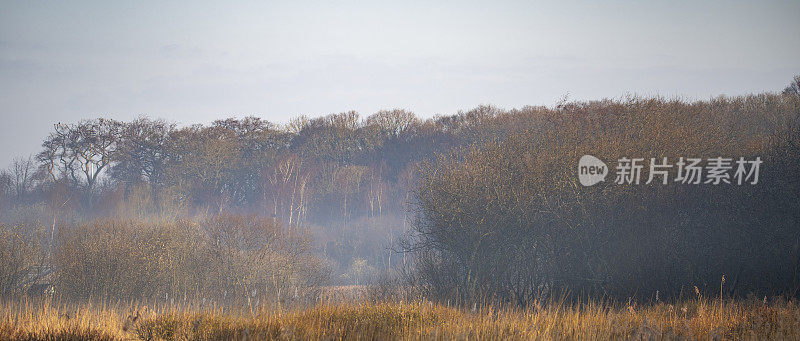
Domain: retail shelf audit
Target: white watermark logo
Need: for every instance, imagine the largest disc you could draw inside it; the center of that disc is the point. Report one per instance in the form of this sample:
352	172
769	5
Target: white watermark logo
591	170
693	171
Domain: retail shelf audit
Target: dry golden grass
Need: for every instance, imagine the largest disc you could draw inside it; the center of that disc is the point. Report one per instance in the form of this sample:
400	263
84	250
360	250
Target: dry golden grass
695	319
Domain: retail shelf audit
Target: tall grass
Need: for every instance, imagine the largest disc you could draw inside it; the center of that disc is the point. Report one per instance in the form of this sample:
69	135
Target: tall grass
697	318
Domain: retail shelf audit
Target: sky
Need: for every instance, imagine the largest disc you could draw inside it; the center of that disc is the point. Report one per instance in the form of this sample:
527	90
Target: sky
195	62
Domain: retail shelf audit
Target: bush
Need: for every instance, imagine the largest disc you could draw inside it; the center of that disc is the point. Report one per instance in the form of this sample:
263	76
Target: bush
507	217
222	259
20	255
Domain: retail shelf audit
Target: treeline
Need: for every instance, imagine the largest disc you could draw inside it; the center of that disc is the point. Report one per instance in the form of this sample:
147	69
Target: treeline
345	178
240	164
484	203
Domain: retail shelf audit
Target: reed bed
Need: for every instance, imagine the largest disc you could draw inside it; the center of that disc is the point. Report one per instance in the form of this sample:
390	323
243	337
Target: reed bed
690	319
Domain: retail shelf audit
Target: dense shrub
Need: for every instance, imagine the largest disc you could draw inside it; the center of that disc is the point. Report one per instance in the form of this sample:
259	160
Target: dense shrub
507	217
20	255
224	258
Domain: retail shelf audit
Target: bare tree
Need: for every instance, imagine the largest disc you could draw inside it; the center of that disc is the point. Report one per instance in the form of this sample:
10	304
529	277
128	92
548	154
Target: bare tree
80	152
348	181
286	187
794	87
203	161
22	173
142	154
375	192
394	122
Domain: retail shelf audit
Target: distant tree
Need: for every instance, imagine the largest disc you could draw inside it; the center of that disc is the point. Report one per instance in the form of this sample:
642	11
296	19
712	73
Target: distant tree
376	191
393	122
794	87
347	181
142	154
6	186
333	138
22	176
296	124
80	152
204	159
259	142
286	189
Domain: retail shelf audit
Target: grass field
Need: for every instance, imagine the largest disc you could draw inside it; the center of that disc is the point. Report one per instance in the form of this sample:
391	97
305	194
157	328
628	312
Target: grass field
694	319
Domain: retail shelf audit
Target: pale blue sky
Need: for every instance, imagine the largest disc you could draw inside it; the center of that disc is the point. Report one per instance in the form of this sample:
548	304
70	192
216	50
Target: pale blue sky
193	62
